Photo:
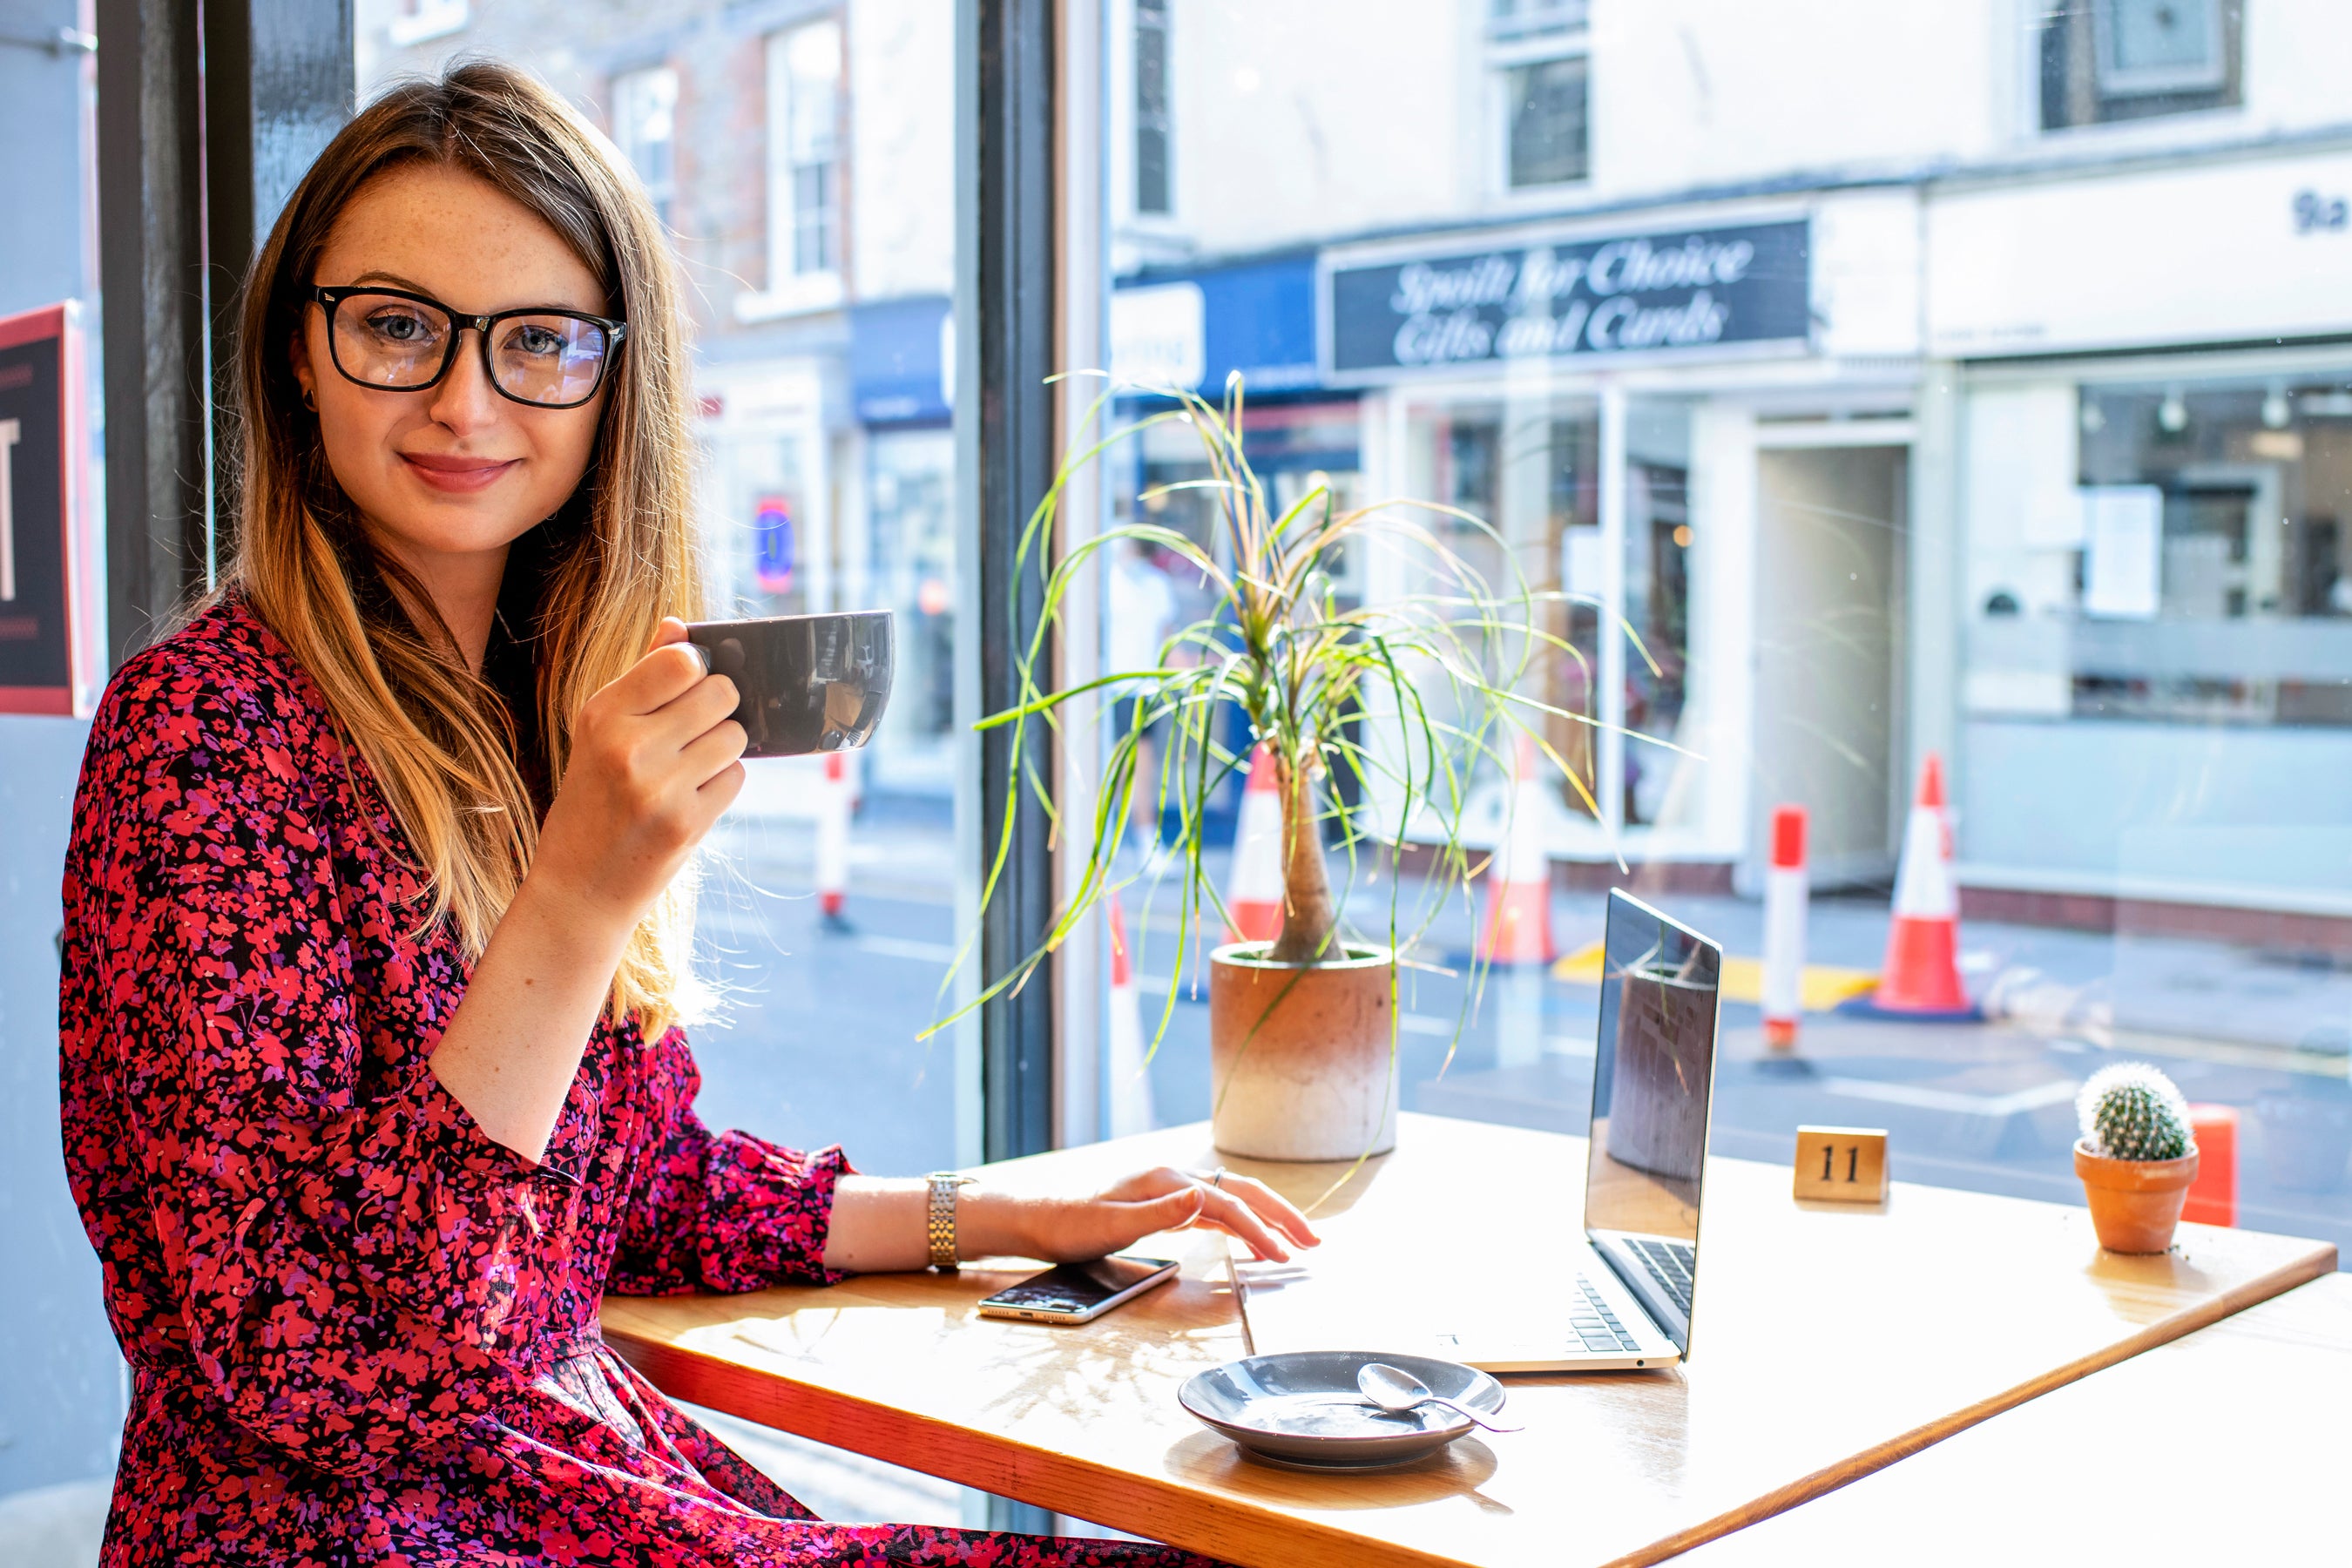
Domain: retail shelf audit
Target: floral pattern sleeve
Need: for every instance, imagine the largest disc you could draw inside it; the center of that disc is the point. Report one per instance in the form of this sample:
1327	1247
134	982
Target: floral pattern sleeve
724	1212
342	1255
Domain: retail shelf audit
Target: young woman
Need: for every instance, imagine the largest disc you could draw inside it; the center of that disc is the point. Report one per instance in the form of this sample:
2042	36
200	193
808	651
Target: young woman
375	951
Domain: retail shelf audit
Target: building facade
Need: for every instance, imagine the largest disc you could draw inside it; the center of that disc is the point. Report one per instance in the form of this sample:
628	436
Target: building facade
1973	386
1989	411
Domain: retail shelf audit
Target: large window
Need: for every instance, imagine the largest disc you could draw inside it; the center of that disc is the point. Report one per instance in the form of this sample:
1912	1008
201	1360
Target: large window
826	475
1816	490
1537	50
1154	180
645	128
2130	60
805	67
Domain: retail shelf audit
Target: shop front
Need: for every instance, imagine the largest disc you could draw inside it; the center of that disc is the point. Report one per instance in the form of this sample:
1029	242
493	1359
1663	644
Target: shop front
901	379
1688	433
2155	713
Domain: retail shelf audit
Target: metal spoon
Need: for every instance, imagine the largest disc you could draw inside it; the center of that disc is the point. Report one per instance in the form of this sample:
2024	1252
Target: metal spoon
1398	1391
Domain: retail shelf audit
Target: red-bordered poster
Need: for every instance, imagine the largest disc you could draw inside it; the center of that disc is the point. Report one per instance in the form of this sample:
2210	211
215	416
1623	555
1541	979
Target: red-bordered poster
50	657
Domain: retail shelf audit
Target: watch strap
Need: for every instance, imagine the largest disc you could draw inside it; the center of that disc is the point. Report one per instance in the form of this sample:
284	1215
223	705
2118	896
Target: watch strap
939	1218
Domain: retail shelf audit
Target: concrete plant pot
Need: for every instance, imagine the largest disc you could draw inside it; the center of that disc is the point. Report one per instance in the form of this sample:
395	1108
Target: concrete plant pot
2134	1204
1301	1061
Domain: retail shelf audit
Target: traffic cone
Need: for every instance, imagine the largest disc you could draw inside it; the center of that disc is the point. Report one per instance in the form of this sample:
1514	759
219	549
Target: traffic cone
833	807
2213	1195
1253	893
1921	977
1785	890
1130	1082
1517	928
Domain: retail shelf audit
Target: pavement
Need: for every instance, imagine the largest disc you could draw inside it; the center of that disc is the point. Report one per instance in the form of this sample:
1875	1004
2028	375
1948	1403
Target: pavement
819	1045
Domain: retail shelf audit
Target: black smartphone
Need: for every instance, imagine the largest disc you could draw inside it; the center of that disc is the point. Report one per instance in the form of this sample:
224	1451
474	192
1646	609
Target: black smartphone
1078	1292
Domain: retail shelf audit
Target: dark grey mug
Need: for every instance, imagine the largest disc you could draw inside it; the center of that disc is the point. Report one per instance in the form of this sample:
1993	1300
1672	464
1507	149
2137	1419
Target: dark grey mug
806	683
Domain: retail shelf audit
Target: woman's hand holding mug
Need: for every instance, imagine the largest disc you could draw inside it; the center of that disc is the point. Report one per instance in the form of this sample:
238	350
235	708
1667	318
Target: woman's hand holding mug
655	758
654	762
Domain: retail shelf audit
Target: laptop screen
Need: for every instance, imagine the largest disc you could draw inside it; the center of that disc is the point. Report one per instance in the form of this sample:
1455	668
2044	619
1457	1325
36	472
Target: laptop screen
1652	1072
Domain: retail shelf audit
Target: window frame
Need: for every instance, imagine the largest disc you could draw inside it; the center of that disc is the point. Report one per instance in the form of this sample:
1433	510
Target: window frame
1515	45
2078	31
2114	81
1164	123
792	290
626	86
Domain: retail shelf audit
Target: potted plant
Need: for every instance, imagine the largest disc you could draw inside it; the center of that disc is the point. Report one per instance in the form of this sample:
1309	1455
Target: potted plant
2136	1156
1404	700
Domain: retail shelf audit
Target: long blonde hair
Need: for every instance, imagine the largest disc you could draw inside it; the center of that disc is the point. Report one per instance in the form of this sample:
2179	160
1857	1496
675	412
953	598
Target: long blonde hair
619	554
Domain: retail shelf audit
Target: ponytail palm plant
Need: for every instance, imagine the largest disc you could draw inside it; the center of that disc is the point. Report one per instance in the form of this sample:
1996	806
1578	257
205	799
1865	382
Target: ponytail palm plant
1404	700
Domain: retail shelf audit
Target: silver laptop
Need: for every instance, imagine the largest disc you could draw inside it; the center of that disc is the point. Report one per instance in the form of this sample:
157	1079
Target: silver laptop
1619	1298
1653	1083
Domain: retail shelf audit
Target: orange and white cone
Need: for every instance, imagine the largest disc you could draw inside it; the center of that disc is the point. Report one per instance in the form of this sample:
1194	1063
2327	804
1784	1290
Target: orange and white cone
1921	977
1517	928
1785	890
1130	1081
833	809
1253	891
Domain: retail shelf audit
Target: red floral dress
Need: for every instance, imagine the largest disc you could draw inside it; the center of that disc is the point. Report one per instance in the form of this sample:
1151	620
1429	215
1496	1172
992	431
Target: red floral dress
362	1331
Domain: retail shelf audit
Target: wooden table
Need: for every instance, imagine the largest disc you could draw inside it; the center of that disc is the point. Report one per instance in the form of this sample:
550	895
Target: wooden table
1829	1341
2225	1445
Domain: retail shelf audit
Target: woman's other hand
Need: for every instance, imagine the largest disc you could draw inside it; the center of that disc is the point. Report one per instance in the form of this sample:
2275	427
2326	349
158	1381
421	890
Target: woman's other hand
655	757
1065	1229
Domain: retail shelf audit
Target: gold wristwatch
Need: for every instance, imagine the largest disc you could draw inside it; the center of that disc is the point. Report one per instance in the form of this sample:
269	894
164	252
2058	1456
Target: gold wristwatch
940	1220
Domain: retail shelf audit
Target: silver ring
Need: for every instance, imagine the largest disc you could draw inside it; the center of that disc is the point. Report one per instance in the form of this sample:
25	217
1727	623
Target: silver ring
1217	1177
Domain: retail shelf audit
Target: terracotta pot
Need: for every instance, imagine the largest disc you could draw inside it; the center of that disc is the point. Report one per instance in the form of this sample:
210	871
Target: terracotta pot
1301	1066
2134	1204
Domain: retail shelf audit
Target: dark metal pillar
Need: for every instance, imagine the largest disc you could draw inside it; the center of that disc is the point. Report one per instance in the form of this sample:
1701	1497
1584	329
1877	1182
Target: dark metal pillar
151	273
1009	260
1005	329
207	115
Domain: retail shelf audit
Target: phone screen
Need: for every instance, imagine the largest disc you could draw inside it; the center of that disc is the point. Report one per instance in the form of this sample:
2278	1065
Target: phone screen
1076	1288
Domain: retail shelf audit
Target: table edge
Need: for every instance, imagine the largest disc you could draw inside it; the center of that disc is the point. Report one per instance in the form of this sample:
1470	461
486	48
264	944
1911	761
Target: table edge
2319	1263
1066	1484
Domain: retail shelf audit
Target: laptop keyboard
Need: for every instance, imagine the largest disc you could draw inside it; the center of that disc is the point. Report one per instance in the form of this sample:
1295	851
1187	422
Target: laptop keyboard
1669	1263
1595	1322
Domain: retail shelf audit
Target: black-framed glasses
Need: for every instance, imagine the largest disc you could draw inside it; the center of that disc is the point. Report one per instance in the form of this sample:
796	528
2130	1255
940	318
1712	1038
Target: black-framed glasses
543	357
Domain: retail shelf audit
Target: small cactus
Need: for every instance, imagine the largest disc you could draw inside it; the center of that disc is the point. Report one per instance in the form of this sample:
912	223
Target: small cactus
2132	1111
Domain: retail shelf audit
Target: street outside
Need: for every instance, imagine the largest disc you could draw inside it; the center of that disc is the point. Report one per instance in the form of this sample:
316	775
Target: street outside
819	1044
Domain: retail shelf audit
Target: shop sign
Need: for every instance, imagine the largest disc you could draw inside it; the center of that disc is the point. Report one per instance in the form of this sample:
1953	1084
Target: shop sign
49	658
2228	251
1158	335
1667	292
1254	318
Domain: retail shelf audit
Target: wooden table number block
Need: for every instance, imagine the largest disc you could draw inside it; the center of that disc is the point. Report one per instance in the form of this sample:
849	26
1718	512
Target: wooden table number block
1841	1165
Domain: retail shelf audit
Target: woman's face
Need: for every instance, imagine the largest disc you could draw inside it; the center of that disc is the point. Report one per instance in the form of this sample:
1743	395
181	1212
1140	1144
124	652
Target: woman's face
446	478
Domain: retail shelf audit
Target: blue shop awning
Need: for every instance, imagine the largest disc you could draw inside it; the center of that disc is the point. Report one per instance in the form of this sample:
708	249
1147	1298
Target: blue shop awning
899	361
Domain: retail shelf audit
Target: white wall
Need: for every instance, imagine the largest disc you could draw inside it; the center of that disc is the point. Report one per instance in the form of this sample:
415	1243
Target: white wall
1700	92
1307	119
1312	118
902	148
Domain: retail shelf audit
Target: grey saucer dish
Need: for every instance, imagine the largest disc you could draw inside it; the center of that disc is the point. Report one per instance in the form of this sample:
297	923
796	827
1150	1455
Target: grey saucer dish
1302	1410
808	683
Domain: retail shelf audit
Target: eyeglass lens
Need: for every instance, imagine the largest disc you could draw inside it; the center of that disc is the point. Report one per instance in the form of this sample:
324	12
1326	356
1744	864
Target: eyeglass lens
383	339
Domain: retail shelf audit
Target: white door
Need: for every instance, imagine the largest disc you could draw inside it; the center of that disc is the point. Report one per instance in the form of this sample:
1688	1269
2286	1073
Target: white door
1829	618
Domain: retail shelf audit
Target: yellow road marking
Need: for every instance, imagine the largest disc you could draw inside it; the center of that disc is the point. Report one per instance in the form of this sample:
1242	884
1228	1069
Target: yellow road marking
1823	988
